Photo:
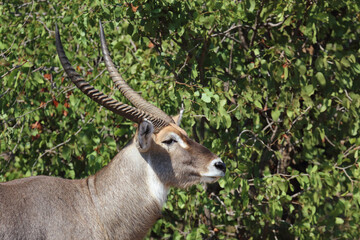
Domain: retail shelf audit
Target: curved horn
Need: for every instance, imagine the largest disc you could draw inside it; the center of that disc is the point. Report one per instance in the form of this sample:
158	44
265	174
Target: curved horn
129	112
125	89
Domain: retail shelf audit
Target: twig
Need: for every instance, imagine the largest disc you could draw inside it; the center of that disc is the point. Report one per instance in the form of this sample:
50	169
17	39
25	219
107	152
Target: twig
242	39
256	24
299	193
185	63
345	172
347	95
232	110
30	40
274	133
60	144
47	29
232	38
12	151
351	149
98	75
222	204
255	137
159	50
133	44
15	37
43	68
297	118
12	69
18	141
268	126
328	140
6	91
274	24
29	112
233	26
230	57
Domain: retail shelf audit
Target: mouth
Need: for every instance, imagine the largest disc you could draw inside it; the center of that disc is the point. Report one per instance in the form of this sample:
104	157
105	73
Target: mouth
215	170
207	179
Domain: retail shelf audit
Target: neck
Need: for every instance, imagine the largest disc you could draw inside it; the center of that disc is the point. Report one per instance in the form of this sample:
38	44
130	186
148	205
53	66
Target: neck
128	195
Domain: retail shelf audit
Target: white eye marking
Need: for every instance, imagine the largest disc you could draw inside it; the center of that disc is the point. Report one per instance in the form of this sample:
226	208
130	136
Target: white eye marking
179	140
173	138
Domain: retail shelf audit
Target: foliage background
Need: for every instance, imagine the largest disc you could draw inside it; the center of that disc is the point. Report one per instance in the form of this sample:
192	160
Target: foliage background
270	86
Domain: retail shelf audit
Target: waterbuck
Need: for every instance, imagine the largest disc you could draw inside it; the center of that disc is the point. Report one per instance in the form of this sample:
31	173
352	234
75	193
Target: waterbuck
122	200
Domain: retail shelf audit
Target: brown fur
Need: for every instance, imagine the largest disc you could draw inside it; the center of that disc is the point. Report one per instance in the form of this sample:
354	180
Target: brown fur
115	203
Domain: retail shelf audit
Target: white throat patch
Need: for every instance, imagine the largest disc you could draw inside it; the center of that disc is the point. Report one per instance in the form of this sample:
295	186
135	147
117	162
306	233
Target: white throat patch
156	188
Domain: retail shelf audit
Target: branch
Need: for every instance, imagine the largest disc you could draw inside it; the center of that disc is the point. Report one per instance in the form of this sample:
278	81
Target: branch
256	25
233	26
351	149
297	118
273	24
255	138
222	204
328	140
242	38
230	57
12	69
158	49
299	193
47	29
15	37
59	145
6	91
345	172
347	95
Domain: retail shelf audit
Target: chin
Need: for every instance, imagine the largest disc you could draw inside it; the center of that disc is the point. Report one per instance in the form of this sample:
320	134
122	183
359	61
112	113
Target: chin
207	179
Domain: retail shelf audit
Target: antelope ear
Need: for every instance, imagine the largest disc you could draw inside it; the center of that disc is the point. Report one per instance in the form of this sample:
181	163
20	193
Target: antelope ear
145	131
177	118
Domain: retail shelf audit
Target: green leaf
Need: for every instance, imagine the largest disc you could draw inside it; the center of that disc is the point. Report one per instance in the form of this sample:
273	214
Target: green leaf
345	62
258	104
275	114
66	151
28	64
339	220
309	90
321	79
252	5
39	79
67	19
205	98
130	29
104	8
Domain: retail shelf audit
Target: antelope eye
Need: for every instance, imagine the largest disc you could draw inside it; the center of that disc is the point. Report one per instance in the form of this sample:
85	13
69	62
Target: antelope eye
169	141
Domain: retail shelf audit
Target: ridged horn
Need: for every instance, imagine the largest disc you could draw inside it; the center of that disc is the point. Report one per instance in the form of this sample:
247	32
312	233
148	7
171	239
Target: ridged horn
125	89
129	112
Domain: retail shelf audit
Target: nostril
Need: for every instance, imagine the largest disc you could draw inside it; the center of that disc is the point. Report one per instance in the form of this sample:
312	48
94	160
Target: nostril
221	166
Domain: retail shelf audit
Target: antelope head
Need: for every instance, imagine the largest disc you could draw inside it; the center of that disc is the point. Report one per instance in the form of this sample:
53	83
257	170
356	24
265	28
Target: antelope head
176	159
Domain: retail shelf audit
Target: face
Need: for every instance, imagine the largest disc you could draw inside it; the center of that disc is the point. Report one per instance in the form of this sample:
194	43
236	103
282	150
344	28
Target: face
183	162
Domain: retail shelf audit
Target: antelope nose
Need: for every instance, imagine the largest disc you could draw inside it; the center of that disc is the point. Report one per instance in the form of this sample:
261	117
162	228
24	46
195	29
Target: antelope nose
221	166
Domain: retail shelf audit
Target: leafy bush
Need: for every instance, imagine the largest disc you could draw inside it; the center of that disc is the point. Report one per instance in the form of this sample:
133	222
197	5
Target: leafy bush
270	86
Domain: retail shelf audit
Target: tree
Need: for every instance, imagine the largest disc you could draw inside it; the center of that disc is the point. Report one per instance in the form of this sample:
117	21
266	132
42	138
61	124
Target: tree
268	85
